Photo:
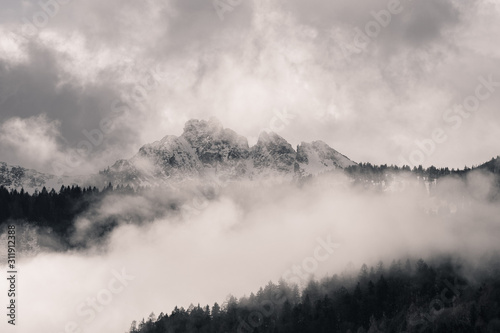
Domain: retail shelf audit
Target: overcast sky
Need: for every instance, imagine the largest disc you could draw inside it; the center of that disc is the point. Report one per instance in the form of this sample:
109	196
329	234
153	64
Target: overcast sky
300	68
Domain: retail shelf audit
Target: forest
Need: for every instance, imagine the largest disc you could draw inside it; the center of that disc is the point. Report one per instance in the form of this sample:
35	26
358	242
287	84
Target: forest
57	210
367	171
407	296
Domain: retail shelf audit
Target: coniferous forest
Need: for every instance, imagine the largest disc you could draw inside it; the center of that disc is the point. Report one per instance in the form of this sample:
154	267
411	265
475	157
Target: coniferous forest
51	209
440	295
57	210
407	296
256	166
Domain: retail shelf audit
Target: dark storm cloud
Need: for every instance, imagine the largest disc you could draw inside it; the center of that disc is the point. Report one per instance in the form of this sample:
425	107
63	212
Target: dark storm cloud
153	65
420	22
428	20
43	87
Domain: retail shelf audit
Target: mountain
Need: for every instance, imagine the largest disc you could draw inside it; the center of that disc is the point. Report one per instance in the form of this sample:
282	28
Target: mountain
16	177
316	156
208	150
205	150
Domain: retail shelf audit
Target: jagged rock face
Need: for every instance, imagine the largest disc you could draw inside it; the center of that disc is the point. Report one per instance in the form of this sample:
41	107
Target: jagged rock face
170	156
273	152
215	145
221	151
16	177
205	150
122	172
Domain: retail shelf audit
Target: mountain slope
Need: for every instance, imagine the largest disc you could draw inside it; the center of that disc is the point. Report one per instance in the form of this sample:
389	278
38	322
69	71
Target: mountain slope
16	177
316	157
204	150
207	149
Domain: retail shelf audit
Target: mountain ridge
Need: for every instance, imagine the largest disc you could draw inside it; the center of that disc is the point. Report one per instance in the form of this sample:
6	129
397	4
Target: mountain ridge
205	150
17	177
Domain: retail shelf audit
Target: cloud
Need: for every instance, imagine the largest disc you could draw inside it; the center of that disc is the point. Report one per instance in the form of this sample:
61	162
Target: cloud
150	67
244	236
32	141
263	58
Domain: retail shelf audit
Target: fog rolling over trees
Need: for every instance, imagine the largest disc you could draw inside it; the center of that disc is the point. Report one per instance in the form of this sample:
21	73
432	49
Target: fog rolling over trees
373	301
230	166
200	242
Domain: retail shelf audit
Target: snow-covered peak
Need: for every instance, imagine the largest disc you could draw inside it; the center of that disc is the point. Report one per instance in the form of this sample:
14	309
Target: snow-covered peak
213	144
317	156
266	138
207	149
16	177
201	128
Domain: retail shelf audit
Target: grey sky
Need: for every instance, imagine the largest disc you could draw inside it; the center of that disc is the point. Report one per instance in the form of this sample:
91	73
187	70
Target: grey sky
263	63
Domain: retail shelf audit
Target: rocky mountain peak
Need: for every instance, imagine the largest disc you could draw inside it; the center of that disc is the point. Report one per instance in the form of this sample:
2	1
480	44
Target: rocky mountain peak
196	128
205	150
16	177
215	145
317	157
273	141
273	152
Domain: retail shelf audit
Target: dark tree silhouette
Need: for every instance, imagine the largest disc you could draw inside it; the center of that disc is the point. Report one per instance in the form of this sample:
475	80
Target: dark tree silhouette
399	301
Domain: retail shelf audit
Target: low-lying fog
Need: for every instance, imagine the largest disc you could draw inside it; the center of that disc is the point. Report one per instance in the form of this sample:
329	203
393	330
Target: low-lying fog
243	237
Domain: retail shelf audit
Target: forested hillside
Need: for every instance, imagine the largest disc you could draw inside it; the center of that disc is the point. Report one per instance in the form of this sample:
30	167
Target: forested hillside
409	296
52	210
57	210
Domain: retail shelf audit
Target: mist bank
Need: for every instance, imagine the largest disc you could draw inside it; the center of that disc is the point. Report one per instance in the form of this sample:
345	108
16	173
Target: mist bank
72	208
200	242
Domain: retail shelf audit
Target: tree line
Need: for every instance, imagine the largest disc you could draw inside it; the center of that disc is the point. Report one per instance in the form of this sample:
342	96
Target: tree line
379	172
367	174
57	210
405	297
51	209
